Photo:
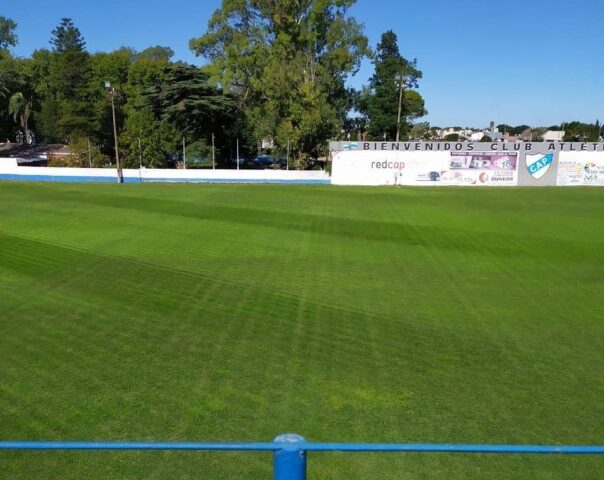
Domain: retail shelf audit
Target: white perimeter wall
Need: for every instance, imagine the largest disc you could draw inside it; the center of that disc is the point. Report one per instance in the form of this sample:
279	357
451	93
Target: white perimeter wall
9	170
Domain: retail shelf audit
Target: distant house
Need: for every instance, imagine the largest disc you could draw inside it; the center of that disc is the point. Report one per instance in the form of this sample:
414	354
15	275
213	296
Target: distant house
33	155
494	135
527	135
554	136
462	132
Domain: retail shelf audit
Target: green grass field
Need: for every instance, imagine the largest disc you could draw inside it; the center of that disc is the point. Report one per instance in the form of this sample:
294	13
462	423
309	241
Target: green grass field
234	312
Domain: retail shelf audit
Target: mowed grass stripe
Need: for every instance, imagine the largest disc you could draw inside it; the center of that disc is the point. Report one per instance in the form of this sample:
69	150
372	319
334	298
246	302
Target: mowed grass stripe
228	312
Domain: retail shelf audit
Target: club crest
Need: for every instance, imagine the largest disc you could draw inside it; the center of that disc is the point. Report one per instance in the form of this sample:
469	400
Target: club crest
538	165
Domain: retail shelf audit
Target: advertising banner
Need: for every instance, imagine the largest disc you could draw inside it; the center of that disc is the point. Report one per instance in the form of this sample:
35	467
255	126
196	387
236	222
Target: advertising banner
474	168
482	168
581	168
468	163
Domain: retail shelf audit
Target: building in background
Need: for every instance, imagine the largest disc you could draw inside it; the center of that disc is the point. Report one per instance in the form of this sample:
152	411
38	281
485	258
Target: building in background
554	136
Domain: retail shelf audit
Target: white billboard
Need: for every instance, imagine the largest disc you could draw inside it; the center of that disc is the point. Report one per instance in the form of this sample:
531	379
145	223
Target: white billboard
581	168
469	168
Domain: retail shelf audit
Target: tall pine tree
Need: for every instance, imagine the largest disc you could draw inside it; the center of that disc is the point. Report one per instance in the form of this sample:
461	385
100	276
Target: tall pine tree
8	38
67	111
380	101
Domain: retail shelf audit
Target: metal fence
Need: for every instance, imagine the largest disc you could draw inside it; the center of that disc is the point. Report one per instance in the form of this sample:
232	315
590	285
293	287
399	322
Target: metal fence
289	450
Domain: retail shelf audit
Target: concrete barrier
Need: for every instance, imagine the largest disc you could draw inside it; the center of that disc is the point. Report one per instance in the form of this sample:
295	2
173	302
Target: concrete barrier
9	170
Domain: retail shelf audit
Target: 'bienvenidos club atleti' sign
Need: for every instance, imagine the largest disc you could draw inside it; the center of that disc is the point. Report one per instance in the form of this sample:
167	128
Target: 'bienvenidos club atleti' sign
467	163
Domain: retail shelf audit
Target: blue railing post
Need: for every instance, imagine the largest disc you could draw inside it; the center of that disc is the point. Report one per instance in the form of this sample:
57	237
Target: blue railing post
289	462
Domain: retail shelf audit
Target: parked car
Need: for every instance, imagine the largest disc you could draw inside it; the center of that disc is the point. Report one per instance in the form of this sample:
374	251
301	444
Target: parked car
268	161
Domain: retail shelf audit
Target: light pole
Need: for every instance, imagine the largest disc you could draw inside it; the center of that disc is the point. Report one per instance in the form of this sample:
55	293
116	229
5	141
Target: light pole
400	109
140	160
213	153
120	175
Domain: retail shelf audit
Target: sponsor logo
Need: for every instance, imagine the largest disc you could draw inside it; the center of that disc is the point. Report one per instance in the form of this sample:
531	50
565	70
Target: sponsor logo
458	178
502	177
351	146
428	177
483	177
505	163
388	165
538	165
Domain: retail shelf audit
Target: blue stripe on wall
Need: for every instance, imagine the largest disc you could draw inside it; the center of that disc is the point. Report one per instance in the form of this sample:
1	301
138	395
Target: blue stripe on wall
81	179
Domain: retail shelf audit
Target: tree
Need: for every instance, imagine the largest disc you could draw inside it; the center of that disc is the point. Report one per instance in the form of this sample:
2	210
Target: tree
68	106
393	75
189	101
287	63
11	75
112	67
581	132
186	100
67	37
421	131
13	79
156	53
145	137
8	38
504	128
20	108
414	107
146	140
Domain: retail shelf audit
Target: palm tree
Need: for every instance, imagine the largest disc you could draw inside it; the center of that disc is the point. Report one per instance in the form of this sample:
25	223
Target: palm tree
20	108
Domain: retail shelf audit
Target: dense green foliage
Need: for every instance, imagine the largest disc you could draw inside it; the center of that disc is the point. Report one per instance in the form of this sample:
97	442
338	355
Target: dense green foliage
574	131
59	96
8	37
517	130
582	132
187	101
67	106
288	62
187	312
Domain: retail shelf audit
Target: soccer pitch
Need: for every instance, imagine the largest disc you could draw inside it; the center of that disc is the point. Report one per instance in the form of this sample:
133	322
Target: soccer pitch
238	312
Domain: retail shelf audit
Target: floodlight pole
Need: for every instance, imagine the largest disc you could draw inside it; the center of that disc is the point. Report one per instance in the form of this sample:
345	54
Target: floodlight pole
184	153
140	154
400	108
287	160
237	153
140	160
213	154
120	175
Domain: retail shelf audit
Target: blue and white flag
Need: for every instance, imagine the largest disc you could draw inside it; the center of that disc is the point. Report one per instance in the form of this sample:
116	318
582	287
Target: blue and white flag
538	165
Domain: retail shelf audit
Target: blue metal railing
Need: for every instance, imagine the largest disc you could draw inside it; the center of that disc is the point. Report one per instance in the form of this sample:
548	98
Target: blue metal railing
289	450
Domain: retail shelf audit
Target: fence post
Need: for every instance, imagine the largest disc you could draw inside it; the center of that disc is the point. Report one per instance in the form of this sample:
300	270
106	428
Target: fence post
289	462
